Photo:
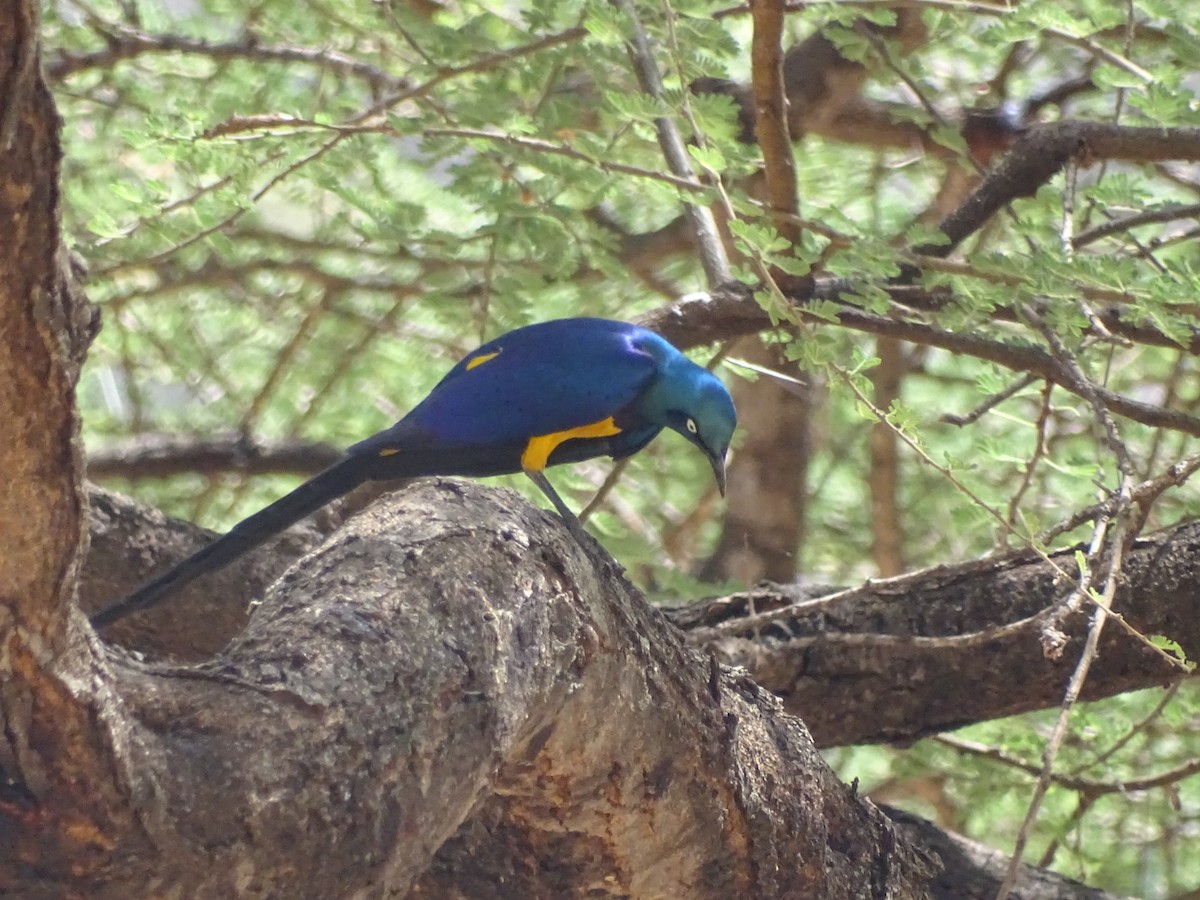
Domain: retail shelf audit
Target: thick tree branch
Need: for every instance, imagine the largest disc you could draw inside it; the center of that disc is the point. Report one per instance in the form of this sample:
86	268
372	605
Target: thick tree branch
524	647
1040	152
53	742
859	670
449	721
130	542
900	659
732	312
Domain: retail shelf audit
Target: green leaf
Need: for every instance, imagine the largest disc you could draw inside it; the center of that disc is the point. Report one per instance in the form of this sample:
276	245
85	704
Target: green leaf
1172	648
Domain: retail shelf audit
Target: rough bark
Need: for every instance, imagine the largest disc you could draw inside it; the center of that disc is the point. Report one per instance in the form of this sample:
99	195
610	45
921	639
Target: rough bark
51	737
975	872
894	661
131	542
387	697
452	698
902	658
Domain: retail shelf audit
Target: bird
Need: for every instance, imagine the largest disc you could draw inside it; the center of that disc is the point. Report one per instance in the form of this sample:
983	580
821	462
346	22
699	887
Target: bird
542	395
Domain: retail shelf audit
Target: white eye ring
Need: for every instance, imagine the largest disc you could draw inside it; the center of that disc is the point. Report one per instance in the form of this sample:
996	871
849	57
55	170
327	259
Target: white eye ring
691	426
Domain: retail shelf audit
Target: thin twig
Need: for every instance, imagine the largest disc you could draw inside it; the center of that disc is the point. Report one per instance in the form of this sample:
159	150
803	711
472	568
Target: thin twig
237	214
1099	616
952	267
1067	232
1084	387
990	403
1101	52
1120	542
704	227
1082	785
1021	359
537	145
121	43
1039	450
1151	217
606	487
283	359
1144	494
1135	729
483	64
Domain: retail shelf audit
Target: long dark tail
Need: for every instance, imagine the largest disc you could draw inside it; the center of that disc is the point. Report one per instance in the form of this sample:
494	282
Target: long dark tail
335	481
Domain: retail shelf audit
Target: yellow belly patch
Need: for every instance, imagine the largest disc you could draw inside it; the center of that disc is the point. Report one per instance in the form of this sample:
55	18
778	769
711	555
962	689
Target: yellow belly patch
480	360
538	450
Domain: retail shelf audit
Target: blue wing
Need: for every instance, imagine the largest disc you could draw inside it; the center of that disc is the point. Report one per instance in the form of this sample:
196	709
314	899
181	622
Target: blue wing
536	380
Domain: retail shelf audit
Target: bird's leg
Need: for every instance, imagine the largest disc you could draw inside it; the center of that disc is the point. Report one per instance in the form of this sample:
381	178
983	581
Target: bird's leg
573	524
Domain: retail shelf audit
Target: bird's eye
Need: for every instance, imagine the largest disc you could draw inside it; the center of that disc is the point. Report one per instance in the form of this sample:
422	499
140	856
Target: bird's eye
691	426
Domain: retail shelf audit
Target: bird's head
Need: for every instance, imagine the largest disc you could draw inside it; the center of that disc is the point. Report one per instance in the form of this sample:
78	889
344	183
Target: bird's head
695	403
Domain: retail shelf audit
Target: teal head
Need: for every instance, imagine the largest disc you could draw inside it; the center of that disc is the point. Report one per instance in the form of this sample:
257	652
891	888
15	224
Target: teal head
691	400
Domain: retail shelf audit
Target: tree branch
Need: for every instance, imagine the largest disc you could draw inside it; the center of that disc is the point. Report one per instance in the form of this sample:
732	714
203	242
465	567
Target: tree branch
732	312
163	455
453	687
123	43
860	669
707	238
1041	151
974	871
770	116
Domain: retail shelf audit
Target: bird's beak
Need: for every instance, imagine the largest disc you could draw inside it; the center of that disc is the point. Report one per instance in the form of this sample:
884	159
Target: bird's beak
718	466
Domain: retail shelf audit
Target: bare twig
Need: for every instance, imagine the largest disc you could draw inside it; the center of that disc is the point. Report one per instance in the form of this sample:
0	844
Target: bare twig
1022	359
689	185
1101	52
1144	494
704	227
122	43
282	359
990	403
1116	226
1097	558
1137	728
1084	387
1039	449
1082	785
1103	604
